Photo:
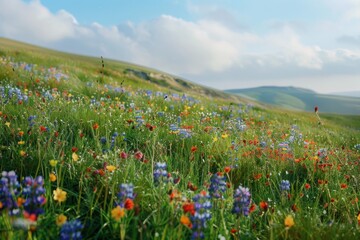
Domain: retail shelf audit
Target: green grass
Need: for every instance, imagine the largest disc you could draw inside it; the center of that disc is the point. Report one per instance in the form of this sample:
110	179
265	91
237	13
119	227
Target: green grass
104	130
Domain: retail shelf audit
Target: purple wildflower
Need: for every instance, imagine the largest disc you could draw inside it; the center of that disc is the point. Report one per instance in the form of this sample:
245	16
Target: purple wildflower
71	230
160	173
126	192
202	214
34	194
242	200
217	185
285	185
9	190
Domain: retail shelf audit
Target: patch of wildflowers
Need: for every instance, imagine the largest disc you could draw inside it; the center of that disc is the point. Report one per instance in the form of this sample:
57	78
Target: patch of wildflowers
242	200
9	190
202	214
160	173
126	192
34	193
217	185
71	230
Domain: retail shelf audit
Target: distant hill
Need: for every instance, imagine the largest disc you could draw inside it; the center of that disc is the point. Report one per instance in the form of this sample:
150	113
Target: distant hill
348	94
301	99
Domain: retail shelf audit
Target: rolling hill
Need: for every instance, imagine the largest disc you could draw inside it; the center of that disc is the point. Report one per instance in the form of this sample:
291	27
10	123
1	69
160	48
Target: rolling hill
301	99
83	70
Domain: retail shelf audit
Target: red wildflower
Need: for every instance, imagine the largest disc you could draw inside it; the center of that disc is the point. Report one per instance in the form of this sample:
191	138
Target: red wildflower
123	155
316	108
264	205
74	149
227	169
139	155
193	148
307	186
95	126
233	231
189	207
191	186
252	208
343	186
129	204
257	176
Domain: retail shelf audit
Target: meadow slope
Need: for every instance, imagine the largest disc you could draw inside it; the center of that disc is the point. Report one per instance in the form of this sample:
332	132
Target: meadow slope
97	149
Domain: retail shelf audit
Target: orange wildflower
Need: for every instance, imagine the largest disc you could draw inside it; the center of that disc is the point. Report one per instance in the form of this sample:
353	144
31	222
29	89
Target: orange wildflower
289	221
185	221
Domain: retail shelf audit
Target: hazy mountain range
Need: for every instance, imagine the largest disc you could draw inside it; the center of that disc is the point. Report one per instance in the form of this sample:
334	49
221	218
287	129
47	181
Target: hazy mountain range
301	99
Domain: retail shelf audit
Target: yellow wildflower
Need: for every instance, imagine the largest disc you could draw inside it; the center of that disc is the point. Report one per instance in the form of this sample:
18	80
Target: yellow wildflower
117	213
225	135
75	157
60	220
59	195
289	221
53	162
110	168
22	153
7	124
21	142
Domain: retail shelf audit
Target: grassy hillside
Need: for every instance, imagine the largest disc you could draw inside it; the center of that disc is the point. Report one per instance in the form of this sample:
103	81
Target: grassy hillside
120	152
301	99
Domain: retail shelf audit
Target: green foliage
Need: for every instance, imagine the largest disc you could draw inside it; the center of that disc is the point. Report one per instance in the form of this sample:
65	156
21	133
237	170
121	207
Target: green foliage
94	131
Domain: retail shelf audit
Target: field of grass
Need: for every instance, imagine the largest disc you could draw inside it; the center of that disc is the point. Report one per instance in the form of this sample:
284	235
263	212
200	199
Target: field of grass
90	151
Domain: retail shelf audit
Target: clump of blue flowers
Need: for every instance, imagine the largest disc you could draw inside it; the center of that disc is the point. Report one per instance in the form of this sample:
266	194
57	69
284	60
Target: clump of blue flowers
217	185
202	214
71	230
242	200
285	185
126	192
160	173
34	193
9	190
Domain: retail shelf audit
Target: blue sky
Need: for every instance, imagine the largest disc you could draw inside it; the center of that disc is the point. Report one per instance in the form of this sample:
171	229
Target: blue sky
222	44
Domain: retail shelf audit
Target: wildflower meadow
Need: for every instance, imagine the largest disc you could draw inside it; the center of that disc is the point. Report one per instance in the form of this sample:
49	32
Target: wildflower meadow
89	150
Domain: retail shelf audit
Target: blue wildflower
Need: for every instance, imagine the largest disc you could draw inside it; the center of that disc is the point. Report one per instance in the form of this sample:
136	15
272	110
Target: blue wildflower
202	214
217	185
242	200
285	185
160	173
34	193
9	190
71	230
126	192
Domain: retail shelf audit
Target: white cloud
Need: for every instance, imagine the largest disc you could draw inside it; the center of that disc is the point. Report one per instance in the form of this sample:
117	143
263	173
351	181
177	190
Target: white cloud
209	50
34	21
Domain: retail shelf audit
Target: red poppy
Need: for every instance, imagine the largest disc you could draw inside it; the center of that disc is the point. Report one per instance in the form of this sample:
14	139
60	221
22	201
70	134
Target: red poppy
129	204
227	169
